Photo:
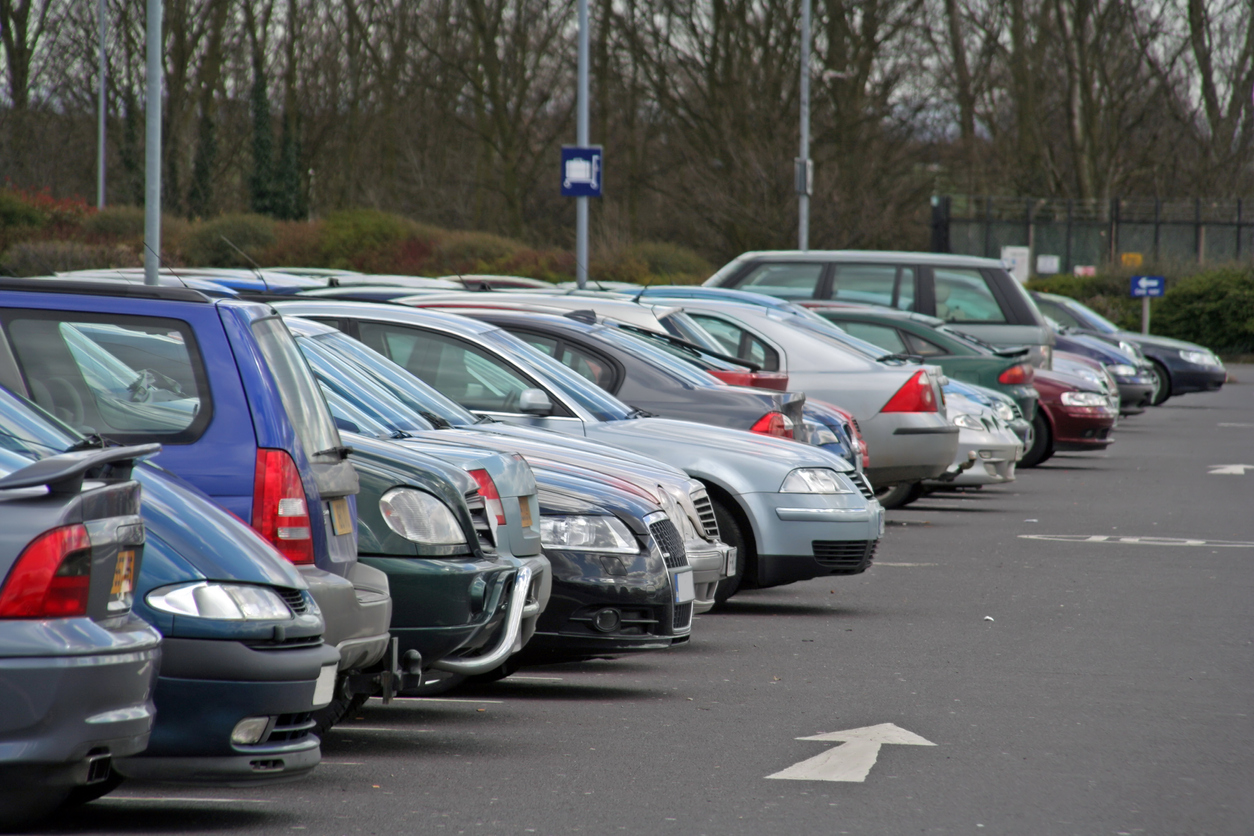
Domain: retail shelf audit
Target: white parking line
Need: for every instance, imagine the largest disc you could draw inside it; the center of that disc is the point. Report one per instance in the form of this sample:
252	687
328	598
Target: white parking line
447	699
380	728
517	678
1139	541
882	563
184	799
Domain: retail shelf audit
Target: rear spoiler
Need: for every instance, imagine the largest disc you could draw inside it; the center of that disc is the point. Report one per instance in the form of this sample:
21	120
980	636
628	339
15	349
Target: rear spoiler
64	473
1013	351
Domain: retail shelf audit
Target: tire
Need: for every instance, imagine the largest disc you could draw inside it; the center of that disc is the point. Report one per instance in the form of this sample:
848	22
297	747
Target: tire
337	710
1163	392
898	495
21	808
729	532
90	792
1042	443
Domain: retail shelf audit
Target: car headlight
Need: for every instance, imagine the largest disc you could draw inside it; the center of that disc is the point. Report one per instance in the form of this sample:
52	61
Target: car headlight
814	480
225	601
1083	399
1122	370
674	510
420	517
1004	411
587	534
1199	358
1131	349
968	422
819	434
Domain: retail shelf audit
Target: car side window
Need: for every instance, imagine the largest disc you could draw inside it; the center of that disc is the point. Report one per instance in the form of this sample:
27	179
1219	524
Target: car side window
1058	313
588	366
919	345
738	342
546	344
870	284
135	378
963	295
788	281
885	336
469	375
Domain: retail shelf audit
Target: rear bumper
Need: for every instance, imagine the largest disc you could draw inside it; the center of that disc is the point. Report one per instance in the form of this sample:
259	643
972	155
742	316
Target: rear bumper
908	446
357	611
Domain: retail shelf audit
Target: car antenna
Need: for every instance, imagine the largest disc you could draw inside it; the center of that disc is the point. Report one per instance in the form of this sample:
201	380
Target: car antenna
256	266
636	301
166	265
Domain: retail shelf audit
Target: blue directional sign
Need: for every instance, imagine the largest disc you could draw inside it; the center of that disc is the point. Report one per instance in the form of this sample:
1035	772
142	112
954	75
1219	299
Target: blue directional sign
581	171
1148	286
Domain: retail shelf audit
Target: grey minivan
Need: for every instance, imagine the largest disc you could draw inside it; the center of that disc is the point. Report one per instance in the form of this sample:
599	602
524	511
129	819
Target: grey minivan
976	295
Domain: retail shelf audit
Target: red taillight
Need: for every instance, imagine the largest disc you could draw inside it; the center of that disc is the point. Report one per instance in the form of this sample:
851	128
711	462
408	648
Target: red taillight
762	380
280	510
733	378
1022	373
51	578
492	499
915	396
773	423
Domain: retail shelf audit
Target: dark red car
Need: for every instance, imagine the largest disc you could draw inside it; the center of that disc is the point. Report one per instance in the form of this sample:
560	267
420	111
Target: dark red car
1074	414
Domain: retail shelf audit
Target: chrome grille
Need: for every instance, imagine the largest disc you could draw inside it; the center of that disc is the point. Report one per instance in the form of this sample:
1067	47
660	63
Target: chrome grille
289	728
845	556
479	517
705	510
860	482
294	599
671	544
683	616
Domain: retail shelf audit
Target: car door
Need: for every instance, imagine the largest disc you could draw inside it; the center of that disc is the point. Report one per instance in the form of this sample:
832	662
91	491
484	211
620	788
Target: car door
481	380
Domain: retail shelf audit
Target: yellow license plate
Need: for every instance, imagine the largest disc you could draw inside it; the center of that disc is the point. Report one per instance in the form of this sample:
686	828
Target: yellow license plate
524	507
123	581
341	520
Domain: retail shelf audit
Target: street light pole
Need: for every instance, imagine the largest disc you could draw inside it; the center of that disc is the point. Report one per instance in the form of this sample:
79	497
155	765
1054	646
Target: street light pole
581	139
805	169
152	148
100	123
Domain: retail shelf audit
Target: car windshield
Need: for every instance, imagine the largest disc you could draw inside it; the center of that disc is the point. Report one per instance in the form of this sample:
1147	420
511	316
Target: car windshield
689	353
599	403
302	401
399	383
831	331
28	431
680	369
1092	317
350	385
681	325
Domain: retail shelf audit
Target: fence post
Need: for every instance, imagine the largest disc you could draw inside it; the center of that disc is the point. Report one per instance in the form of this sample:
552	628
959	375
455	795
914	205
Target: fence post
1114	231
1238	228
1199	232
940	223
1066	258
988	226
1158	219
1027	205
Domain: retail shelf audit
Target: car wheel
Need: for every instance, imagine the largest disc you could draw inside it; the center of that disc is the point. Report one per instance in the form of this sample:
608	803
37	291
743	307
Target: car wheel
1163	390
1042	443
90	792
898	495
729	533
337	710
20	808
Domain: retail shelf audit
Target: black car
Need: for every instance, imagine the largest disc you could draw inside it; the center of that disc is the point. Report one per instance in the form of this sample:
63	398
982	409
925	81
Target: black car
648	378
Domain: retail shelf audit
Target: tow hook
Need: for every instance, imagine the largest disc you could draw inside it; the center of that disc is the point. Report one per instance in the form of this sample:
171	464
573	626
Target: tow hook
952	473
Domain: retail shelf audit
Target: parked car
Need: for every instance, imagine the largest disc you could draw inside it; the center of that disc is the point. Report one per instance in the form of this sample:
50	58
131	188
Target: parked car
962	356
897	403
976	292
402	403
1002	405
221	384
1074	414
234	279
987	447
792	511
1136	380
77	666
1091	370
1182	367
480	281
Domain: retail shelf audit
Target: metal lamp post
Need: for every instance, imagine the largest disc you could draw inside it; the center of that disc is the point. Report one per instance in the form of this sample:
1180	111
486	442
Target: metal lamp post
152	148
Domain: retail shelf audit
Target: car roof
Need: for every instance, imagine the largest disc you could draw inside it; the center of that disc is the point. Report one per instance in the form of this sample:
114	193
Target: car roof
872	257
878	311
89	287
387	313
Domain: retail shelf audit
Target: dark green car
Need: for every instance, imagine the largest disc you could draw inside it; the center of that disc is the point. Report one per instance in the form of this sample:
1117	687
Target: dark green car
962	356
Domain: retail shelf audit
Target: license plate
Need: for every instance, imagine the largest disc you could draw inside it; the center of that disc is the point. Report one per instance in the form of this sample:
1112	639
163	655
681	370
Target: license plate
121	593
524	508
324	690
730	568
685	590
341	520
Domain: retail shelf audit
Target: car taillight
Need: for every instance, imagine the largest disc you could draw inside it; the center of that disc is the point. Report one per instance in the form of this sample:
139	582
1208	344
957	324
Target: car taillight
51	578
280	510
1022	373
487	490
771	380
915	396
733	378
773	423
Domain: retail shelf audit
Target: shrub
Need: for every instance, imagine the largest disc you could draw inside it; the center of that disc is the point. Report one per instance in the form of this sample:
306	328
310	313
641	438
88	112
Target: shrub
296	244
547	265
42	258
16	210
622	266
116	222
473	252
670	261
1214	308
349	235
206	244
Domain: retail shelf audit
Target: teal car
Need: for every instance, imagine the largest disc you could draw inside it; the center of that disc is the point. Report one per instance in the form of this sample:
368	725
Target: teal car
962	356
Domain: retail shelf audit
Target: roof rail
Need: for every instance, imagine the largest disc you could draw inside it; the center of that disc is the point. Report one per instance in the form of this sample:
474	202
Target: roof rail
104	288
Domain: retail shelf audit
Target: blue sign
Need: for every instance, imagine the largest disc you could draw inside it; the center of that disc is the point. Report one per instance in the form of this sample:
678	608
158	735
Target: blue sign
581	171
1148	285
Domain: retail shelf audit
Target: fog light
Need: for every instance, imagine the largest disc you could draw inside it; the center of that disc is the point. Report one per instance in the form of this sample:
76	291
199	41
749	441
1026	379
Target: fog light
986	454
250	730
607	620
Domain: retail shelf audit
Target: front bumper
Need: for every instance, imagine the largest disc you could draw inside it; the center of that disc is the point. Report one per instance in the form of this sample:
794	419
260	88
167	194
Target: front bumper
710	563
1078	429
206	687
1134	392
909	446
797	535
1191	378
357	611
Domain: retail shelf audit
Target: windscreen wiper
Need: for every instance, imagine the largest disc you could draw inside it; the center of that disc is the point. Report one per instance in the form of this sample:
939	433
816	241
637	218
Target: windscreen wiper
904	358
688	346
341	452
434	420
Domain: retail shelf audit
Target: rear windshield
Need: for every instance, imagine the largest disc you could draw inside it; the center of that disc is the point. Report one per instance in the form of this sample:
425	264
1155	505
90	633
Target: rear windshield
301	399
682	370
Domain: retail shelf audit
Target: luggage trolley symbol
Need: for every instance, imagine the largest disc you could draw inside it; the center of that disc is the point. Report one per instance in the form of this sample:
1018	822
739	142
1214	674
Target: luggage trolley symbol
582	172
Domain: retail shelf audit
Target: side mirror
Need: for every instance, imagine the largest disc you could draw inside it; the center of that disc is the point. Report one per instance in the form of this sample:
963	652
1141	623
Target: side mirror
534	402
346	425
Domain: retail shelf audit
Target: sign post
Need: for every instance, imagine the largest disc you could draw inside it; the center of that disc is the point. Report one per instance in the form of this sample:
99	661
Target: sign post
1146	287
152	146
581	138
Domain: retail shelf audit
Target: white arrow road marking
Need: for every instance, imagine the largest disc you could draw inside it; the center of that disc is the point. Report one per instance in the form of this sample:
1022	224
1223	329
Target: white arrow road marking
1230	469
853	760
1139	541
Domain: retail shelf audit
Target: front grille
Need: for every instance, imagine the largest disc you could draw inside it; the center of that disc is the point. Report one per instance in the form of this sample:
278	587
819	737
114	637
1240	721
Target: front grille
288	728
705	510
479	517
671	544
860	482
286	644
845	556
294	599
633	621
682	619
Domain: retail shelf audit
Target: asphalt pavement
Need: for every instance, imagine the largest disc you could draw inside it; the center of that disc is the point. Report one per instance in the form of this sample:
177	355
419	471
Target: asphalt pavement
1077	646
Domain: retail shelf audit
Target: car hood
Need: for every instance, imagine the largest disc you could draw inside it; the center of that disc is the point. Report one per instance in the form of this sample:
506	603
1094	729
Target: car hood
1160	342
